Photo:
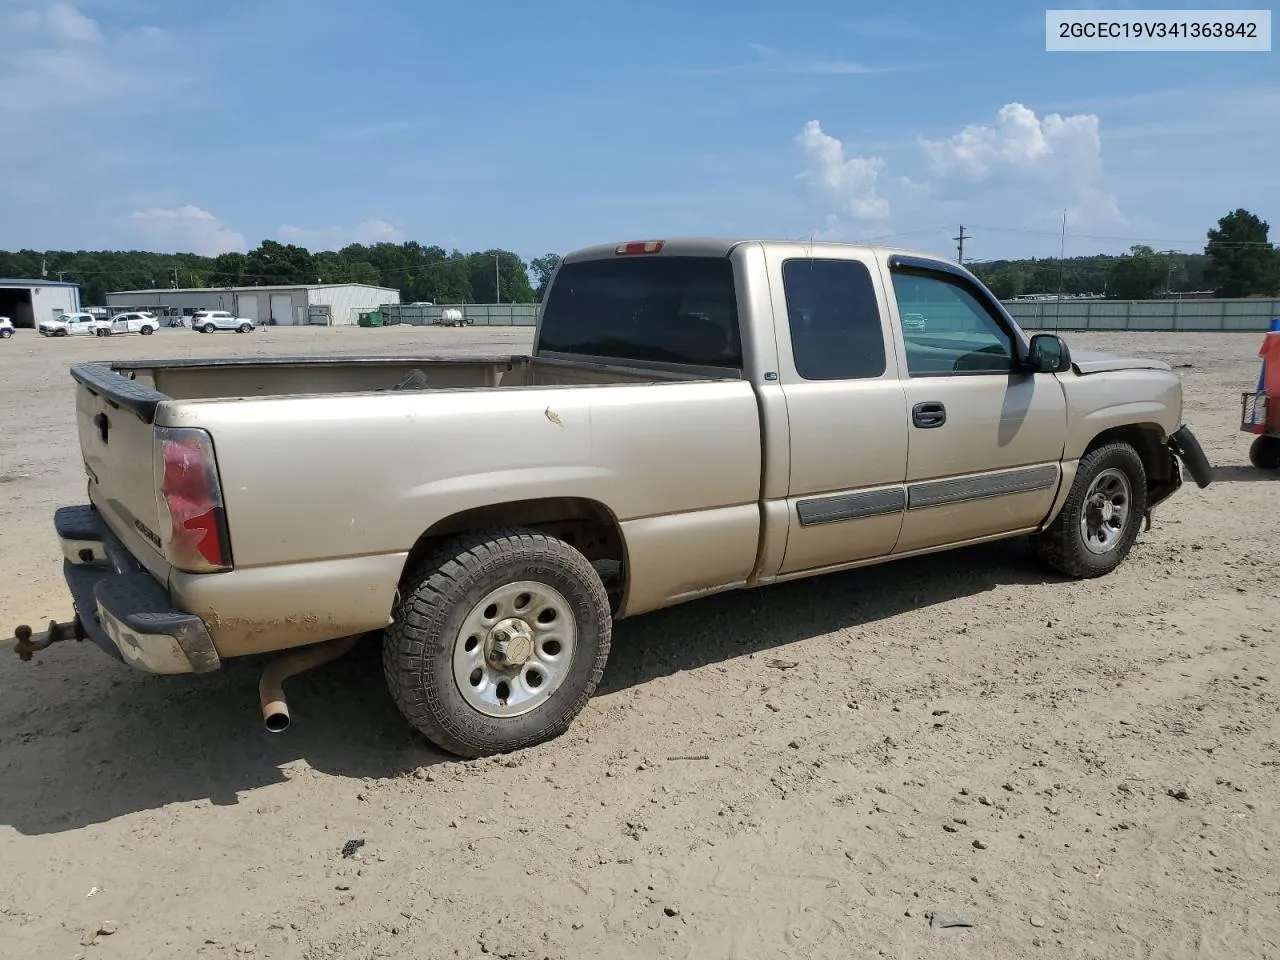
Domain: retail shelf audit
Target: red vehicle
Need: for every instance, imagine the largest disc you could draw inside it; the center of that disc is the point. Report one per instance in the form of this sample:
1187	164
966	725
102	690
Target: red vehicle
1260	410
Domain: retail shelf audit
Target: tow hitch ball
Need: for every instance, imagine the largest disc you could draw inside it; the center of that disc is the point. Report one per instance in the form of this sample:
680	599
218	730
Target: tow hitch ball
28	643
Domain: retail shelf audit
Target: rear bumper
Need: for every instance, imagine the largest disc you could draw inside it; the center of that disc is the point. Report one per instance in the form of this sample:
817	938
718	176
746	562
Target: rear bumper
121	607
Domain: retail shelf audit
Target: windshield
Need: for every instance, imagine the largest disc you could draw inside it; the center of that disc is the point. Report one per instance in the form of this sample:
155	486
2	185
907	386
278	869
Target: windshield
669	309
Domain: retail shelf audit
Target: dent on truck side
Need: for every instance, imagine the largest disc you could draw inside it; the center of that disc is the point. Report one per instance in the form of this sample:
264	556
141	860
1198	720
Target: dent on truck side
1100	402
326	496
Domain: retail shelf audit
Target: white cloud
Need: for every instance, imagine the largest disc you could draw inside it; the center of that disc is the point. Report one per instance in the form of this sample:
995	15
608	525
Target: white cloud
71	25
186	229
367	232
850	183
1048	164
1019	141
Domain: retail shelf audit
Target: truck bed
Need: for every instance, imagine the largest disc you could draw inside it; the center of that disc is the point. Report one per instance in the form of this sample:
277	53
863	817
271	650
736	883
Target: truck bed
221	378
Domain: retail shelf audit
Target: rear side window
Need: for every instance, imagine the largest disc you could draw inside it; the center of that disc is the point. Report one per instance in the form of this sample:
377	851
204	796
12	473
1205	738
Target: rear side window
669	309
836	332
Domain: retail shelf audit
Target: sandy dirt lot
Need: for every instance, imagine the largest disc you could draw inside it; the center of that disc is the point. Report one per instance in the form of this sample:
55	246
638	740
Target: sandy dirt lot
1076	769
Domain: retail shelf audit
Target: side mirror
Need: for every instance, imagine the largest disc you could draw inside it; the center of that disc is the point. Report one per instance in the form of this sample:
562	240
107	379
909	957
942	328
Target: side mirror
1048	353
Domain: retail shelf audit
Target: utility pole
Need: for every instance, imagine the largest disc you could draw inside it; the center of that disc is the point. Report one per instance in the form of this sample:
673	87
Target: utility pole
497	278
960	244
1062	268
175	278
44	269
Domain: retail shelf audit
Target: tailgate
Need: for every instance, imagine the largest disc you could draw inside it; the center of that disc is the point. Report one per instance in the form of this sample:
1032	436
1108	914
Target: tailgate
117	441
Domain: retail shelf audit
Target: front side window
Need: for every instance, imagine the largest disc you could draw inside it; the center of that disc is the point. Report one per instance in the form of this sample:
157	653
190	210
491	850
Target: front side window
947	329
836	332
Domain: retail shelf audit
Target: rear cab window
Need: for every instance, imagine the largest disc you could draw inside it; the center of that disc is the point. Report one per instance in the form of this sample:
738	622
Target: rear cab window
646	308
836	333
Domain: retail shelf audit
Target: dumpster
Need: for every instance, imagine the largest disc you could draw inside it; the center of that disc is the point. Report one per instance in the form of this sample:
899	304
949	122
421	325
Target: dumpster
371	319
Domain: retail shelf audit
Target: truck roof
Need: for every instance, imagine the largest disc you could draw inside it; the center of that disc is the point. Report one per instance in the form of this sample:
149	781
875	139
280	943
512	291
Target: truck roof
721	247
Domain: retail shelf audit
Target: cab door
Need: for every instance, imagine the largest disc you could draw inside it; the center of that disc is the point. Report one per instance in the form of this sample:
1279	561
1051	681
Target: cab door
985	436
846	408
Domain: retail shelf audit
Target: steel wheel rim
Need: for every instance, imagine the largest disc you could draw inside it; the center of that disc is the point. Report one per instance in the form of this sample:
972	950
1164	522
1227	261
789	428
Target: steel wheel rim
1107	506
514	649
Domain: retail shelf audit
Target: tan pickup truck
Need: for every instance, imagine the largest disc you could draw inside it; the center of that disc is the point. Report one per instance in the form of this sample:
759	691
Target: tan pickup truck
696	416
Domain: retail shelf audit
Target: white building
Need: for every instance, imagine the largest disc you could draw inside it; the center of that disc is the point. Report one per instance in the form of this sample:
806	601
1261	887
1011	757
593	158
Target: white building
324	304
28	302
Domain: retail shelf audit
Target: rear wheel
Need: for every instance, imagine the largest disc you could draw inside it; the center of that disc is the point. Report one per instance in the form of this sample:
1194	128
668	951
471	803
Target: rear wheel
1264	453
1099	523
208	328
148	331
499	639
5	334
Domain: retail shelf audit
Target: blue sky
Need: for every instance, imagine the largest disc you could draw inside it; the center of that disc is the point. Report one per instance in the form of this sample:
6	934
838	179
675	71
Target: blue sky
209	126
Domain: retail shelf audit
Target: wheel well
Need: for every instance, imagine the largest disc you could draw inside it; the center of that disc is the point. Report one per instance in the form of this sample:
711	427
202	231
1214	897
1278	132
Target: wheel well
586	525
1146	438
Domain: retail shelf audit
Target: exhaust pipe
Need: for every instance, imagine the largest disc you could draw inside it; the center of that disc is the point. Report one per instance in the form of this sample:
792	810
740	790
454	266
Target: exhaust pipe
275	709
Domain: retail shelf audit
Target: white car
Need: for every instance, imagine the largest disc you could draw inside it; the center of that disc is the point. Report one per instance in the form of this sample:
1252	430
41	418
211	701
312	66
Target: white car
143	323
914	321
6	328
70	325
207	321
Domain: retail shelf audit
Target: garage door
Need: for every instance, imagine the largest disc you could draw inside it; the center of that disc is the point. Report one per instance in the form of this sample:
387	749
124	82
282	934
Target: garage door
282	308
247	305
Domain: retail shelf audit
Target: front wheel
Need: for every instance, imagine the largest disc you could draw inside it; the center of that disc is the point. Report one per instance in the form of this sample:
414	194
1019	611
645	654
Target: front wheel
1264	453
245	328
499	640
1099	523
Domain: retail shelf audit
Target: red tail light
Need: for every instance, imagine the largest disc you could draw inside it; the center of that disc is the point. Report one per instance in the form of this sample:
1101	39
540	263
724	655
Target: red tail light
640	246
191	495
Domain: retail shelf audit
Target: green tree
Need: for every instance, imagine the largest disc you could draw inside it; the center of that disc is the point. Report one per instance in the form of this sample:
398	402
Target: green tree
228	270
1241	260
1139	276
279	264
542	268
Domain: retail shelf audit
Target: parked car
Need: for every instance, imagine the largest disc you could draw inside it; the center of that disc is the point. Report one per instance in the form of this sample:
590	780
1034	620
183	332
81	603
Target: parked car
70	325
6	328
207	321
676	432
143	323
914	321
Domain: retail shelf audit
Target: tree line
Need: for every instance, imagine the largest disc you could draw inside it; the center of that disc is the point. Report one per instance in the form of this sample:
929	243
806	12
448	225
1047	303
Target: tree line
420	273
1238	261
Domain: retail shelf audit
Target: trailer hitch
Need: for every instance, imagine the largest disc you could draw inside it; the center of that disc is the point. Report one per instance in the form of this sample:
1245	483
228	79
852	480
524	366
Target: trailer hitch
28	643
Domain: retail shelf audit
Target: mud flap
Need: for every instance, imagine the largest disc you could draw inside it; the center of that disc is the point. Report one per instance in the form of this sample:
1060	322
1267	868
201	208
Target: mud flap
1187	448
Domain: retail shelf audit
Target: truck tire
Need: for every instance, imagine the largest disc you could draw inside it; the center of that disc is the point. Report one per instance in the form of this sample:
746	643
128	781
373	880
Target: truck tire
1264	453
498	640
1104	511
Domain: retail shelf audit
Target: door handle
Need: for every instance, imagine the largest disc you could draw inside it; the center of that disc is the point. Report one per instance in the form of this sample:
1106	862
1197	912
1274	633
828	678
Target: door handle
928	415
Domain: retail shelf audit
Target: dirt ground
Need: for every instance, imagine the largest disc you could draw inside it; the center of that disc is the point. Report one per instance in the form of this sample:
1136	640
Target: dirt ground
813	770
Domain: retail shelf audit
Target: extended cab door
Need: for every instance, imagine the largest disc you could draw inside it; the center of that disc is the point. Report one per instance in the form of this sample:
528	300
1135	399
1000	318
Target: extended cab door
846	408
985	436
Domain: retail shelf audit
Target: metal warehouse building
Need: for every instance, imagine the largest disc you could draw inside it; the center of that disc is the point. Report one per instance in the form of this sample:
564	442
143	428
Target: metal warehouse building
28	302
312	303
